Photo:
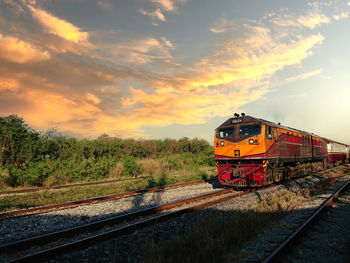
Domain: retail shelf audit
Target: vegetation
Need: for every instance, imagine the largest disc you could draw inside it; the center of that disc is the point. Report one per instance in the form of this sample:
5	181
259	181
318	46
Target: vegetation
31	158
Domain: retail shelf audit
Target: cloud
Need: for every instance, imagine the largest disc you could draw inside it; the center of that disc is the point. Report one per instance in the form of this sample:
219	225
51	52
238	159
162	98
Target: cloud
129	81
59	27
342	15
157	14
163	5
222	26
313	20
167	43
105	5
235	74
142	51
305	75
167	5
19	51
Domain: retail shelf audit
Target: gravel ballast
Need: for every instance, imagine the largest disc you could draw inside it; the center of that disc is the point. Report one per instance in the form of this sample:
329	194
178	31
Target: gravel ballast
26	226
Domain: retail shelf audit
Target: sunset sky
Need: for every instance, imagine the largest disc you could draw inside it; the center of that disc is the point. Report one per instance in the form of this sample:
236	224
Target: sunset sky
175	68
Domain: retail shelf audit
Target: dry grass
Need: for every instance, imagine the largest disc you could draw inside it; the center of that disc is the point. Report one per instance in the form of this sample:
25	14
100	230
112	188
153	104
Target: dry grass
330	177
151	166
4	177
281	201
117	170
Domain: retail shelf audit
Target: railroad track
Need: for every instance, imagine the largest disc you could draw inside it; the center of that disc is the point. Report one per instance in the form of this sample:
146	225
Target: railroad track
323	237
96	232
48	208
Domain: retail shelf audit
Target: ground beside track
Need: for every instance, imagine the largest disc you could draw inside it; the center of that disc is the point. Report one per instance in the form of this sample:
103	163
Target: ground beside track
46	197
261	246
207	236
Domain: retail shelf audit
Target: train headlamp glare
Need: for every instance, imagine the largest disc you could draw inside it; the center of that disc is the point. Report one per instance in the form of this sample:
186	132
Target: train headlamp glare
251	141
222	143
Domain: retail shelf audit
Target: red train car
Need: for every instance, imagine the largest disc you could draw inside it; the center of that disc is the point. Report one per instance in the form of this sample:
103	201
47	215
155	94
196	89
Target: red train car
254	152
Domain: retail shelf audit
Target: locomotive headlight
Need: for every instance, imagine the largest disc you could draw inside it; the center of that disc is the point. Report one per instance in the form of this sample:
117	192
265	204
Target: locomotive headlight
222	143
252	141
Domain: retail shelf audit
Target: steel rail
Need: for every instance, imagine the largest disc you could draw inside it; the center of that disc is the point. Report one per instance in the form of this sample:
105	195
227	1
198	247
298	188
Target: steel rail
112	234
12	246
48	208
276	255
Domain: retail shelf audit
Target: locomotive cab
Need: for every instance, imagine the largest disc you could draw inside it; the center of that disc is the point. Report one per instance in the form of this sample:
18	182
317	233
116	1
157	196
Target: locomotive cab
239	148
239	137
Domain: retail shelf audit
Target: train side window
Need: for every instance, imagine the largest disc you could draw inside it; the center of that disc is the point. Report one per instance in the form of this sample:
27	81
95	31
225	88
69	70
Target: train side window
274	134
268	132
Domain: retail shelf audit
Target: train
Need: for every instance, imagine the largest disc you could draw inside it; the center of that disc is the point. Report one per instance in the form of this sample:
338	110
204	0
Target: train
252	152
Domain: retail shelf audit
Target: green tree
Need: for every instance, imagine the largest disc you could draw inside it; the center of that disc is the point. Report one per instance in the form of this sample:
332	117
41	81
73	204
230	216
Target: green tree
18	142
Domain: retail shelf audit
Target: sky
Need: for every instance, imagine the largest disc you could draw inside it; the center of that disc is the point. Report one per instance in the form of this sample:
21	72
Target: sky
175	68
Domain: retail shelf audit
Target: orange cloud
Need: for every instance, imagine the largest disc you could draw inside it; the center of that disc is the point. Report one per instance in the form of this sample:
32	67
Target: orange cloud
58	26
8	84
167	5
156	14
142	51
237	73
164	5
19	51
141	83
92	98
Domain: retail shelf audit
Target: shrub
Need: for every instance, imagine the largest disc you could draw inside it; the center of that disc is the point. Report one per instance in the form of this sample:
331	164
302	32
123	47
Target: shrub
131	167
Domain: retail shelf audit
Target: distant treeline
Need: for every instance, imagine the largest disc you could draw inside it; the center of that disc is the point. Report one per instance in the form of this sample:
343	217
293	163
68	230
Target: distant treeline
28	157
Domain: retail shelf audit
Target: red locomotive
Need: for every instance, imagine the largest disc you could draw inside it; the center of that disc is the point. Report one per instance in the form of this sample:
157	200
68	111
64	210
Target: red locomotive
254	152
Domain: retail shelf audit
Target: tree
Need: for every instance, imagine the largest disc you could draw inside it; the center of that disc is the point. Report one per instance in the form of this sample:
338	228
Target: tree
18	142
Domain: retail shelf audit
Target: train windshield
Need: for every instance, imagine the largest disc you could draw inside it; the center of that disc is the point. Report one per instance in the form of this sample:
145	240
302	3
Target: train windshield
249	130
225	133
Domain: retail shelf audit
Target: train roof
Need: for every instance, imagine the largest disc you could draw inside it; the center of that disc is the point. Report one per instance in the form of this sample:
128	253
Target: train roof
246	118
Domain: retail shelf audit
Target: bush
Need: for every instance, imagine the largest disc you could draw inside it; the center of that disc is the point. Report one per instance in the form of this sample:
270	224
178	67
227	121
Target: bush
50	157
131	167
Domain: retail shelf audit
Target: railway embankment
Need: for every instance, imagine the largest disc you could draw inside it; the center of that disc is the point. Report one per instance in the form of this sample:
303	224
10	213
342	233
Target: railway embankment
232	231
228	231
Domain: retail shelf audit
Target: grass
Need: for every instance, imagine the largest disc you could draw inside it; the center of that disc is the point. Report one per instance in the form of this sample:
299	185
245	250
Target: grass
41	198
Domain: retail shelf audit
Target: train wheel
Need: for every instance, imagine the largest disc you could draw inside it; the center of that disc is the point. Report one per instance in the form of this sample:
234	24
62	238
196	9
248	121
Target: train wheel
277	175
268	176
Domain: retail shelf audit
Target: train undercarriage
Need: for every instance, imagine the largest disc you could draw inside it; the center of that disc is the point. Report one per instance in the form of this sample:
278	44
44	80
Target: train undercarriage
250	173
